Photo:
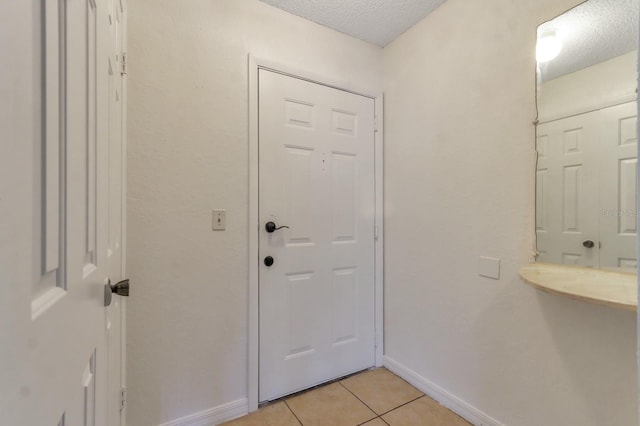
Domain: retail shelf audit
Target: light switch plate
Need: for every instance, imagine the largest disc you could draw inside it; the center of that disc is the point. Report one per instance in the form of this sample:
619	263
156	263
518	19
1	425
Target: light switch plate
219	220
489	267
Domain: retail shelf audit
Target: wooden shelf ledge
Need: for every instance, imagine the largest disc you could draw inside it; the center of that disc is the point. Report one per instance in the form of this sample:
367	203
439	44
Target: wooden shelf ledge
615	289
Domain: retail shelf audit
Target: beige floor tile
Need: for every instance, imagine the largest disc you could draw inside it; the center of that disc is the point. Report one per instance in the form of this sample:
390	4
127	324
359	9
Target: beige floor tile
375	422
381	390
330	405
424	411
277	414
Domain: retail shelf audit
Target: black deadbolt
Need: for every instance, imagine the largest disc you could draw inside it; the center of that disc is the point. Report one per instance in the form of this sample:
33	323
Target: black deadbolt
588	244
268	260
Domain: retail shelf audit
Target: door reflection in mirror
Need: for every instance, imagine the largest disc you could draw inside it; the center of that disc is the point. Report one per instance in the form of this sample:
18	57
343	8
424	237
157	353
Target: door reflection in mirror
586	136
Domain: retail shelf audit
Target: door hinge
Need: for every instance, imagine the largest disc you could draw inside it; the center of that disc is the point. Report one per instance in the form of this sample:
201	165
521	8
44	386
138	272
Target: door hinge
123	398
375	123
376	230
123	64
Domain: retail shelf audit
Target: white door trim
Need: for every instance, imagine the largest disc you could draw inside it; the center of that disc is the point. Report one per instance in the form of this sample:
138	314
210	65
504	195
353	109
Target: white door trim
254	226
123	230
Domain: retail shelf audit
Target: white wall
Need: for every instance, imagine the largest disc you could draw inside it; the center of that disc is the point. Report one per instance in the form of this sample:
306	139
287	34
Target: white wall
459	184
188	154
459	181
605	84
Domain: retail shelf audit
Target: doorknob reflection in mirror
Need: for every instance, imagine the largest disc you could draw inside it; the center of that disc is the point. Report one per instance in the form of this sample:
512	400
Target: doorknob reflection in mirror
271	226
588	244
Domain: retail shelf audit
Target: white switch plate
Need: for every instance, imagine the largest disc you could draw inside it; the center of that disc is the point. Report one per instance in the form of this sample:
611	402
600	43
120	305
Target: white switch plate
489	267
219	220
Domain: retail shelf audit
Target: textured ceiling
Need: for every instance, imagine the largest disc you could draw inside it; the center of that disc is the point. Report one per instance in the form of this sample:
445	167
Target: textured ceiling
592	32
375	21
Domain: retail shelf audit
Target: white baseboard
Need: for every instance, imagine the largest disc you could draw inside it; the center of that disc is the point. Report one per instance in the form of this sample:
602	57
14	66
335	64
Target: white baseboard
452	402
213	416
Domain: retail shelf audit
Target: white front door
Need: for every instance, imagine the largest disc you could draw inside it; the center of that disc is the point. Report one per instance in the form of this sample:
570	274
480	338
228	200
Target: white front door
316	279
61	230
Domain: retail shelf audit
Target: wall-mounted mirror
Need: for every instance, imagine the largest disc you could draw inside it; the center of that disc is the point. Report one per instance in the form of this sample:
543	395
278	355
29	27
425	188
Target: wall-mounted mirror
586	173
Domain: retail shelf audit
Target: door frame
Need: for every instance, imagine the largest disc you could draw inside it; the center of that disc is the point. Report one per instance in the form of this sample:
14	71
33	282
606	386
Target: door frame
255	64
123	204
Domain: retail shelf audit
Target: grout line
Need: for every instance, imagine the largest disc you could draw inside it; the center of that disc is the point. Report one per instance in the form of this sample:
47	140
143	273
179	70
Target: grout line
312	388
365	404
402	405
293	412
370	420
386	412
339	380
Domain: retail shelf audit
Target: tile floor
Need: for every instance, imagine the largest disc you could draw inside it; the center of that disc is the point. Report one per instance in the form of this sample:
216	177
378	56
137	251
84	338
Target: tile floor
372	398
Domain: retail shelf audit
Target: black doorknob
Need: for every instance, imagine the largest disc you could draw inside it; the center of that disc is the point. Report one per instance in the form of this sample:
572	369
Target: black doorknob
588	244
121	289
268	260
271	226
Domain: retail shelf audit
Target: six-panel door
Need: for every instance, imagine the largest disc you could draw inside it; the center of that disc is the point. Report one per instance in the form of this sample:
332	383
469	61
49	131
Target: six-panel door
316	169
61	348
586	189
566	175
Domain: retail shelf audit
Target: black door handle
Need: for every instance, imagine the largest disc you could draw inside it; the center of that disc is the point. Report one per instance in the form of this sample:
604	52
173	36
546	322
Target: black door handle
588	244
271	226
268	260
121	289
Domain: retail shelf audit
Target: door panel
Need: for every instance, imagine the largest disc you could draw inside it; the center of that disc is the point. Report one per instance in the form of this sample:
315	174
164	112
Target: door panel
587	188
54	336
618	186
567	169
316	171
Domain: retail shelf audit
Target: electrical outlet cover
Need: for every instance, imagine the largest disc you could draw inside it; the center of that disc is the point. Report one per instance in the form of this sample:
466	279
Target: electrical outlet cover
489	267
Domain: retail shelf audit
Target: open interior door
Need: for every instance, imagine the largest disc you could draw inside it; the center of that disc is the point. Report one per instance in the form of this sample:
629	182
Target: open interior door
61	206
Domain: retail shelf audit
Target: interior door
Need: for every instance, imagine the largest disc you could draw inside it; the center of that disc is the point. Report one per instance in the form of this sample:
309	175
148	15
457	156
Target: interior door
57	180
618	186
113	118
316	279
566	217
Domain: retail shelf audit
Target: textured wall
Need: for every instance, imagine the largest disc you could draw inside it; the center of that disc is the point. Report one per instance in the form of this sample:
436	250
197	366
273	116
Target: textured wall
459	181
188	154
459	184
600	85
